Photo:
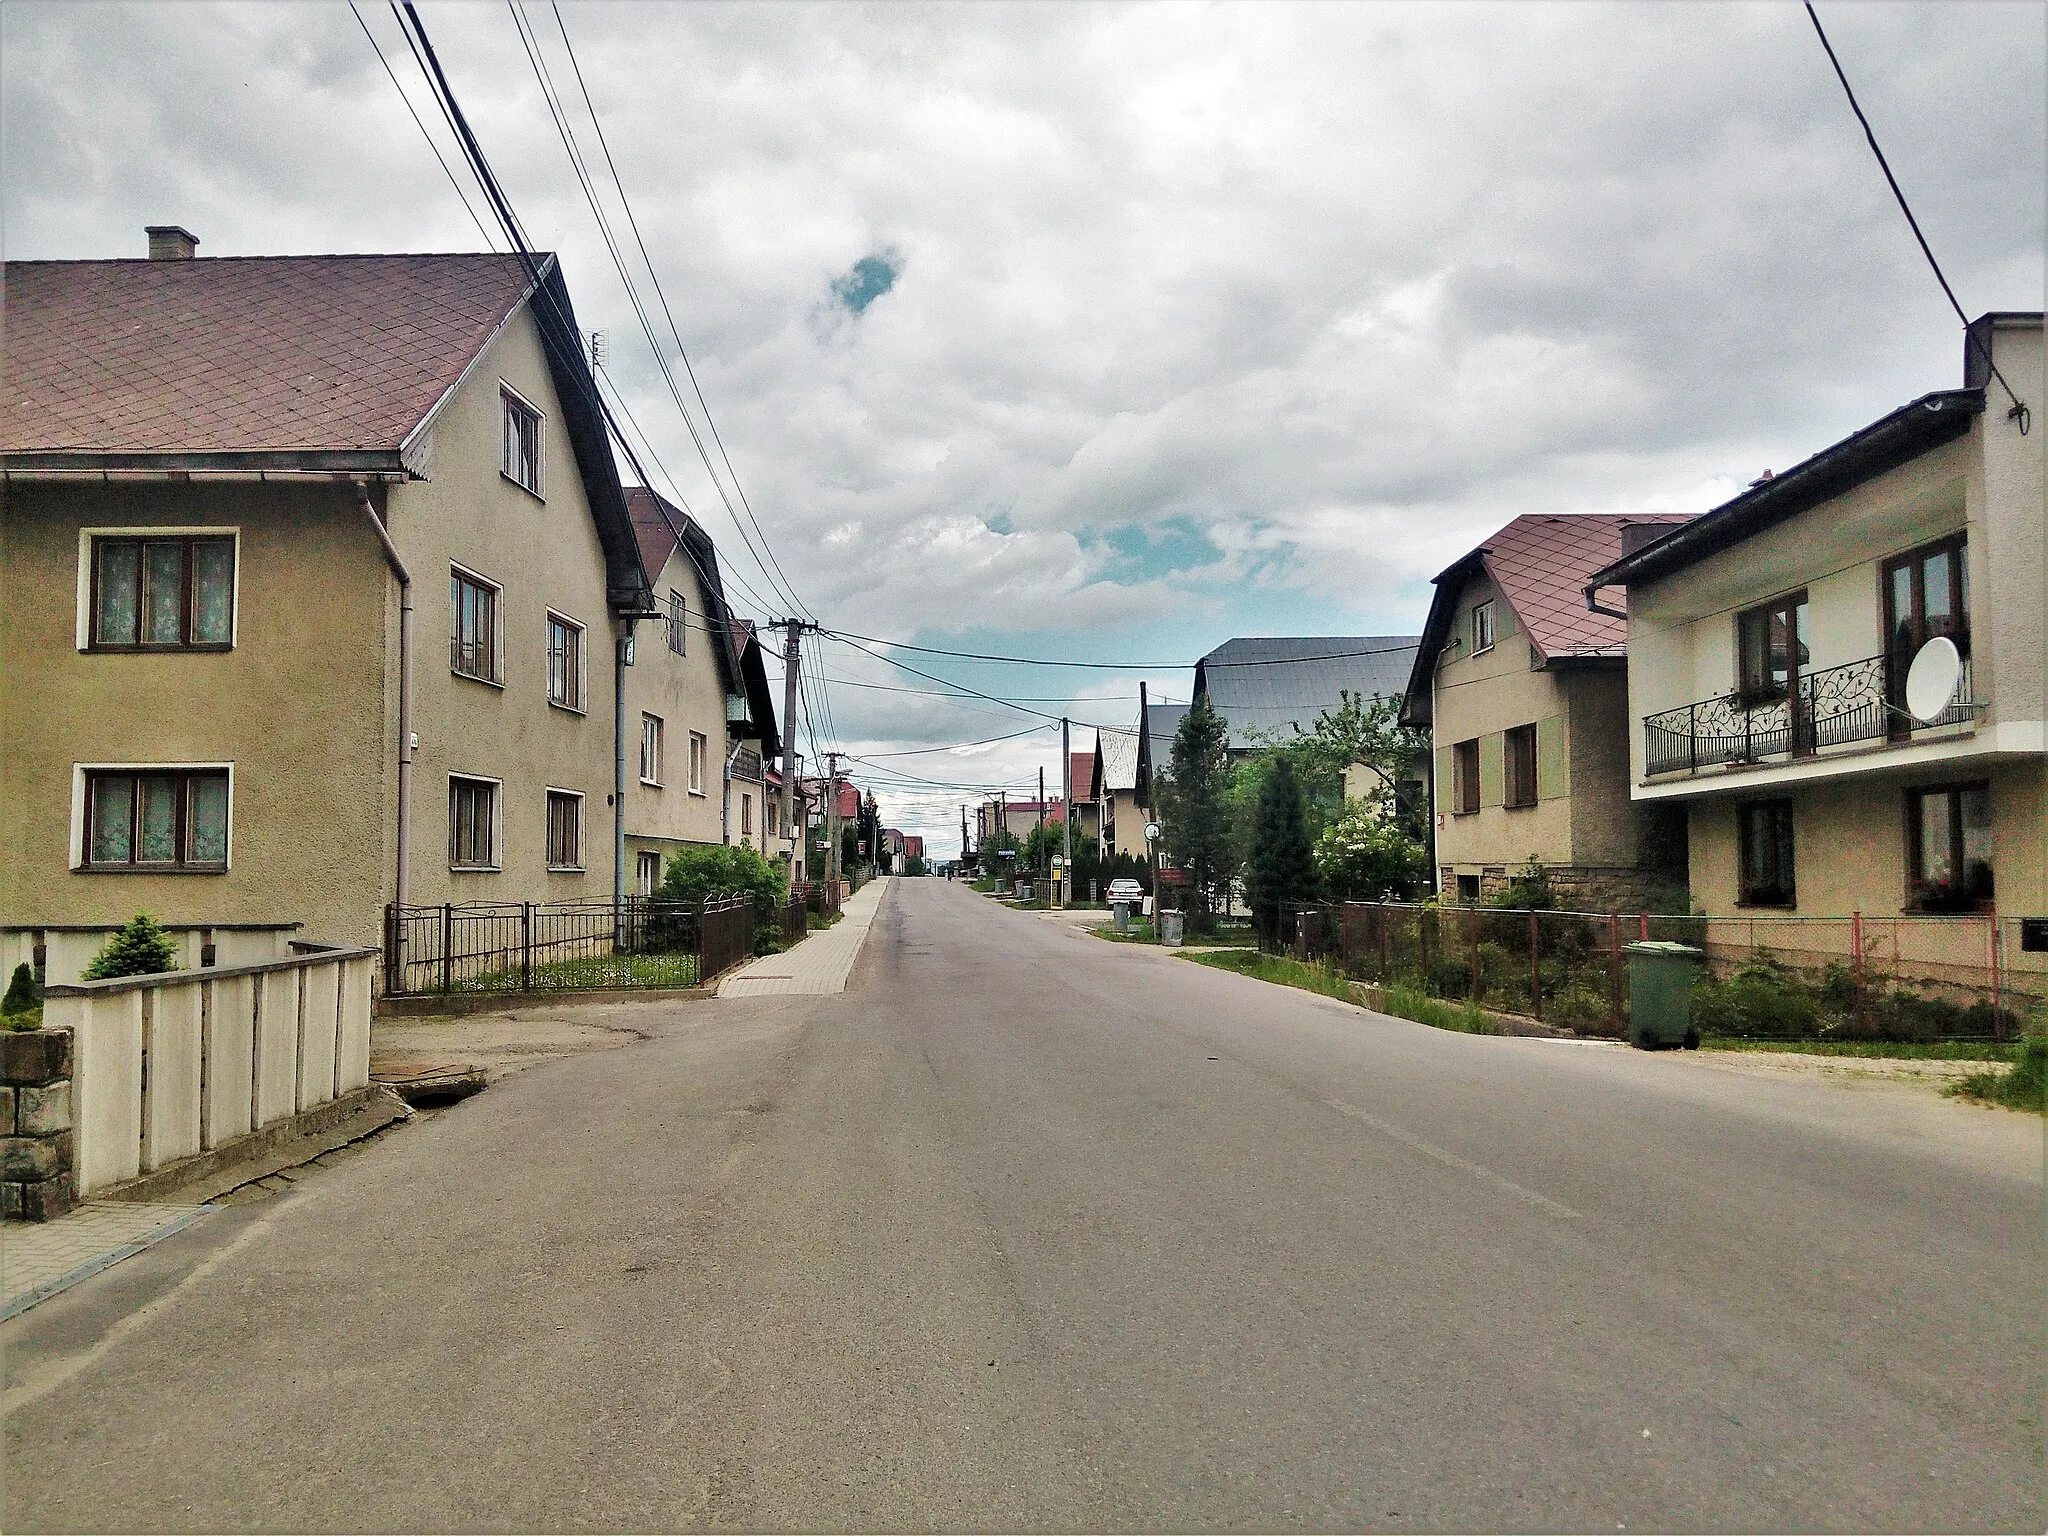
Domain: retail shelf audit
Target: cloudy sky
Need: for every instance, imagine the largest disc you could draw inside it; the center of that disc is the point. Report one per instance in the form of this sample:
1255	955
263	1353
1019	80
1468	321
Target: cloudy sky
1111	332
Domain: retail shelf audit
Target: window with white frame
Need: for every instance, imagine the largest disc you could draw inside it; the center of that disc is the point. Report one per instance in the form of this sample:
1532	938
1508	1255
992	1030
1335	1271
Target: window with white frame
521	461
565	830
154	818
1482	627
699	749
472	625
472	823
649	870
678	618
746	815
650	749
160	590
565	662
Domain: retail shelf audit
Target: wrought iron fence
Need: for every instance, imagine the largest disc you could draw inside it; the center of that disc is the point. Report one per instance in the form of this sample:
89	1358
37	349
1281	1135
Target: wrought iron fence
1765	976
1858	701
562	946
796	920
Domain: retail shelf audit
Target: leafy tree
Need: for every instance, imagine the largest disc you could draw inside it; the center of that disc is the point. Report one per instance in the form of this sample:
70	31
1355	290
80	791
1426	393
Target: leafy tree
914	865
1042	842
990	853
1366	855
1360	730
695	873
1197	820
1282	869
140	949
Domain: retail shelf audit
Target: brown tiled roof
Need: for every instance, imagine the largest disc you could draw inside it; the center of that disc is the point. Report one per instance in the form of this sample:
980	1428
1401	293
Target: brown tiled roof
651	531
241	354
1081	770
1541	565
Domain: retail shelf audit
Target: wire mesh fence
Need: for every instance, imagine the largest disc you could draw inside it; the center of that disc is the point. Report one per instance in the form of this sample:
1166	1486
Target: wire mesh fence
563	946
1764	975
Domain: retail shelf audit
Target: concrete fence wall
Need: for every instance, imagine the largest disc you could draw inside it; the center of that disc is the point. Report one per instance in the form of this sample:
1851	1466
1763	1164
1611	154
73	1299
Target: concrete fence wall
61	954
167	1067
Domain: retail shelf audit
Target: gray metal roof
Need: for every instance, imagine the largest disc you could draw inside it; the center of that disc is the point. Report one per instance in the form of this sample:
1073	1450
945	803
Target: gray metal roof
1269	684
1118	753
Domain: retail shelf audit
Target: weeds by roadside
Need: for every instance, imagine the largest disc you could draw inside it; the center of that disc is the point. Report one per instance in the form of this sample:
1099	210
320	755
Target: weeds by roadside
1275	968
1462	1018
1890	1050
2024	1085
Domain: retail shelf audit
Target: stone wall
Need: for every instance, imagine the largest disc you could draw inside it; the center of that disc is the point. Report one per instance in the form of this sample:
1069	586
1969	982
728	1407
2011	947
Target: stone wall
38	1154
1578	887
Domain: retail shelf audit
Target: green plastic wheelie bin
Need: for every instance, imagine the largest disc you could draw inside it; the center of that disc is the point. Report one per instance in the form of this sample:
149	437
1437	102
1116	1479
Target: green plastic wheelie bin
1660	974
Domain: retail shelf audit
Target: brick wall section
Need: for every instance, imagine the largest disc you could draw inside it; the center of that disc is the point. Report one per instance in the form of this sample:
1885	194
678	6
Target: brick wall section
1577	888
38	1155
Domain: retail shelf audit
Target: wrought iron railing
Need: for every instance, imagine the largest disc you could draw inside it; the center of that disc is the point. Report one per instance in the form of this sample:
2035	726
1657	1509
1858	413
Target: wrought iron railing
1858	701
563	946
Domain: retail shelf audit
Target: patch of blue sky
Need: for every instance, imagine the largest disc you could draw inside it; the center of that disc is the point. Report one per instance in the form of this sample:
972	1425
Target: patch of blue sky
867	281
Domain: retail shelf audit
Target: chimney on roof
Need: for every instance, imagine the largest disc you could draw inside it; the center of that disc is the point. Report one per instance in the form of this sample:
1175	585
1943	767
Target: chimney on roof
1635	535
171	242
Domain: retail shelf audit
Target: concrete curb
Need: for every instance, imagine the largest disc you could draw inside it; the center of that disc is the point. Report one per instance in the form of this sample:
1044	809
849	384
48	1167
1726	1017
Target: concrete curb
243	1149
16	1305
449	1005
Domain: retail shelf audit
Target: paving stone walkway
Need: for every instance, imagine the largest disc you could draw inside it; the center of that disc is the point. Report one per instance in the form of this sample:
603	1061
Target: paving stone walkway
40	1258
821	963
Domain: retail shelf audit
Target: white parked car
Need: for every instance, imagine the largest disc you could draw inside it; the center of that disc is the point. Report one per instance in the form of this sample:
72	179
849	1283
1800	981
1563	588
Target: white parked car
1125	890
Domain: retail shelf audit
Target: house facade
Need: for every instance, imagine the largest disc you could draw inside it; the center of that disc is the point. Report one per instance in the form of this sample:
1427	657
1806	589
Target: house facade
235	695
1121	820
1525	695
702	723
1771	643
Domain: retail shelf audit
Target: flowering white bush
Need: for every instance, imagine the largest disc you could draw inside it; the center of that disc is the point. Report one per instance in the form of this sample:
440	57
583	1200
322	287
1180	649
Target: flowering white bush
1365	856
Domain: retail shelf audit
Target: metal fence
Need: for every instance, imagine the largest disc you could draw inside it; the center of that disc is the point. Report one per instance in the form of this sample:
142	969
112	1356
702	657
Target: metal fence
563	946
1774	975
822	897
796	920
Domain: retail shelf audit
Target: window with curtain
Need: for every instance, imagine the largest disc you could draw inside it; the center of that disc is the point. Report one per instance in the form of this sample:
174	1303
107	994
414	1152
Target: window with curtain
565	830
163	594
565	662
170	819
521	461
1949	847
472	823
472	626
1766	852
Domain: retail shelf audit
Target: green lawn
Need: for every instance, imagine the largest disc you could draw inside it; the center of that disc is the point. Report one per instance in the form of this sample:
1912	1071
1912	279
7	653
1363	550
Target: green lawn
2023	1085
593	972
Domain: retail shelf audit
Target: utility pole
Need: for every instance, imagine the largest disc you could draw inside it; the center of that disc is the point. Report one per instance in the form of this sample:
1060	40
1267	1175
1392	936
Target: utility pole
1151	843
1041	809
791	629
1067	809
832	816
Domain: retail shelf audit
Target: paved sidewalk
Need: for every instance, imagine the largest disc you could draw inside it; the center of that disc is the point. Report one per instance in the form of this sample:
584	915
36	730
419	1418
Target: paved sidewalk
821	963
40	1258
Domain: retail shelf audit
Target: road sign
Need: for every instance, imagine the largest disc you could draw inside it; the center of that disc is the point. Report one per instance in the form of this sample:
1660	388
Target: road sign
1151	831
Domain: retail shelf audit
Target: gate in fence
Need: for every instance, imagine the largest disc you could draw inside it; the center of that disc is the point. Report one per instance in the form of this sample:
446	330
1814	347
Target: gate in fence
563	946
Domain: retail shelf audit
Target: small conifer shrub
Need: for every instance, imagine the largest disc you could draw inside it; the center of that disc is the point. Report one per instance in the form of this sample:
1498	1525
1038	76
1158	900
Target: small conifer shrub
140	949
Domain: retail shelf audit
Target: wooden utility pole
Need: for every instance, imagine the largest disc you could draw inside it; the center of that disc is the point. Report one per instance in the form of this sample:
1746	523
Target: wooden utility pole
832	816
791	629
1067	811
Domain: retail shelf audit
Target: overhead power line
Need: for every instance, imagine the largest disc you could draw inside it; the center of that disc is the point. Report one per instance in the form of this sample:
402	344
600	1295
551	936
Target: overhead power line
439	158
1117	666
2019	411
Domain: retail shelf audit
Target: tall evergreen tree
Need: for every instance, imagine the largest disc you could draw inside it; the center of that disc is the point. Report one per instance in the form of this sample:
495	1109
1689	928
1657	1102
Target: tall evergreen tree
1282	864
1198	824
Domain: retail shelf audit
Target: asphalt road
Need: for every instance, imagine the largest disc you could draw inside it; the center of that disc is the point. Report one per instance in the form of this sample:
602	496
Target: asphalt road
1028	1230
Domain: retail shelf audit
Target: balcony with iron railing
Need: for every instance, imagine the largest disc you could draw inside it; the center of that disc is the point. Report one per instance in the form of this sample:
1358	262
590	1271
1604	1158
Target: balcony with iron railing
1859	701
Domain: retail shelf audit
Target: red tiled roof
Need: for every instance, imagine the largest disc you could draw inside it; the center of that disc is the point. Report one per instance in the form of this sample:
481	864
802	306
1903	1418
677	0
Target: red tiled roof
1541	565
220	355
1081	768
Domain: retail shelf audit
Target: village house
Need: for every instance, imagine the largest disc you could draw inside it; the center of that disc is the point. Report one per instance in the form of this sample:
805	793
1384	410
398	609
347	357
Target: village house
1773	642
1114	788
1525	695
697	695
235	695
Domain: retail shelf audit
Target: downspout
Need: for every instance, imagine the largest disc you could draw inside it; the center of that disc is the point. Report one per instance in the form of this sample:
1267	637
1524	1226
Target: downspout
619	645
402	891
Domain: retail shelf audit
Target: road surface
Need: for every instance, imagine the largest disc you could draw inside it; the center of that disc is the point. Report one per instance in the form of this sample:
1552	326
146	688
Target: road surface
1029	1230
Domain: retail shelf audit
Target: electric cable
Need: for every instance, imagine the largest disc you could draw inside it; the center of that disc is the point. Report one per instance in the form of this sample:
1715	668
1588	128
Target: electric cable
2019	411
439	159
1121	666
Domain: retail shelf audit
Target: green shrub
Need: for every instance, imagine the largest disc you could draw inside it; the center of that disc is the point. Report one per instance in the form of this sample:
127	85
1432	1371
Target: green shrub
23	995
2023	1086
1462	1018
1527	890
697	873
140	949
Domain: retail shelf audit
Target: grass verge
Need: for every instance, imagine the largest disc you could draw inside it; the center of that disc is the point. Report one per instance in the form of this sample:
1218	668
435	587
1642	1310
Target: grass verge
1141	933
1275	968
817	921
2023	1085
1460	1018
1893	1050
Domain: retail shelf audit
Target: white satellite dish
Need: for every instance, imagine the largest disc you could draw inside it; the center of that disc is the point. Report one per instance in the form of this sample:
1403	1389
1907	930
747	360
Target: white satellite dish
1931	680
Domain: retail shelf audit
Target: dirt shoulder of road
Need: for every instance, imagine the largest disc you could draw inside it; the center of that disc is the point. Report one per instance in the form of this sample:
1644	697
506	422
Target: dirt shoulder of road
500	1044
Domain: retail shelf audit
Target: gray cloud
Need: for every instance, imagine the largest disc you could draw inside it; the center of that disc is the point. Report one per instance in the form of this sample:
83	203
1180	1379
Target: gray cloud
1322	293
